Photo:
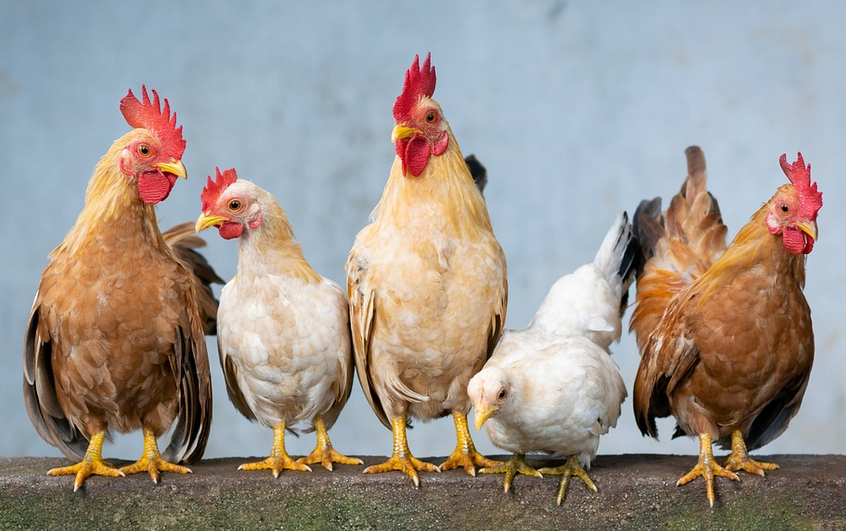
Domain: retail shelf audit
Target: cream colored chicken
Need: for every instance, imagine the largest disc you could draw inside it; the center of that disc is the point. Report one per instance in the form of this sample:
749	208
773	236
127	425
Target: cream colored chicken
553	387
283	330
427	283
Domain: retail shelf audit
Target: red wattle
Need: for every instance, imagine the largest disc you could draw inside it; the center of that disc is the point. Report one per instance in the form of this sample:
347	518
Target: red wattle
229	230
416	155
154	187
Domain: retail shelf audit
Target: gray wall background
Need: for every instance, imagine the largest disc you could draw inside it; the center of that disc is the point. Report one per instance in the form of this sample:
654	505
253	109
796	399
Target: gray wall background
577	108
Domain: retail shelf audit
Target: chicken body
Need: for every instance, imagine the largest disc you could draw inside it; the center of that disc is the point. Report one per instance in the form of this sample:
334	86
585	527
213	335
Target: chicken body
115	339
427	287
283	330
553	388
725	333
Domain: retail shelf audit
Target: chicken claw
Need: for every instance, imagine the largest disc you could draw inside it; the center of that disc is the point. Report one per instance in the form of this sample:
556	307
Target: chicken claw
571	468
465	454
279	459
402	459
516	464
324	453
91	465
152	461
740	460
707	468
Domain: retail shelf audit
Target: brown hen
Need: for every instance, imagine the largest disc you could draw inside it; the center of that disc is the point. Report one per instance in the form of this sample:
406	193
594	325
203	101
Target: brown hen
725	332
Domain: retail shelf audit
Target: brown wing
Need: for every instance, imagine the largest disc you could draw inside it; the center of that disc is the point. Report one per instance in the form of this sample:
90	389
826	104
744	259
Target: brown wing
679	246
233	389
183	240
39	391
191	363
362	312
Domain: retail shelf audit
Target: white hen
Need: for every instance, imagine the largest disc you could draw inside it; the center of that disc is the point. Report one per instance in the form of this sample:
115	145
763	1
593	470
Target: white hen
553	387
283	330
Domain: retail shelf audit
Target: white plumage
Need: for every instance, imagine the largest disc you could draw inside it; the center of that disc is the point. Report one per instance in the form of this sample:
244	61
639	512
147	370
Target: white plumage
553	388
283	330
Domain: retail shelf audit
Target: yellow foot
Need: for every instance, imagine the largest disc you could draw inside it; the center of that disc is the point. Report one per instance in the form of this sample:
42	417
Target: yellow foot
324	453
468	460
276	463
153	466
85	469
516	464
408	465
465	454
747	464
707	468
571	468
92	464
151	460
740	460
327	456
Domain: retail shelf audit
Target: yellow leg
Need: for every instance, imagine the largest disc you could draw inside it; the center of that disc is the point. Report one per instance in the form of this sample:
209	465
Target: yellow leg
401	459
465	454
279	459
516	464
571	468
92	464
324	453
740	460
707	468
151	461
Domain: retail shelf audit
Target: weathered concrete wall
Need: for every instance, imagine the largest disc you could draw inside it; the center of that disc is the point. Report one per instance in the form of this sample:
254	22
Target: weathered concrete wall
635	492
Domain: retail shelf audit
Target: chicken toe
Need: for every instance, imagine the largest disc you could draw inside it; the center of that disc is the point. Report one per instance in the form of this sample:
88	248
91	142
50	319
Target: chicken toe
465	454
516	464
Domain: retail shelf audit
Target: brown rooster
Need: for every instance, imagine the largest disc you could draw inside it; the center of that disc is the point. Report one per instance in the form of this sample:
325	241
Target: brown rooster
426	282
725	332
116	339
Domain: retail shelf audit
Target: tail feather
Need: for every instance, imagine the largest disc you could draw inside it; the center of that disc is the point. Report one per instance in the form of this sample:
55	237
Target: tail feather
620	256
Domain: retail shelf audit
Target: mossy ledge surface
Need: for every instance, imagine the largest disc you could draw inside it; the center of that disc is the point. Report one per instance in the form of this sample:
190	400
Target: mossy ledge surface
635	492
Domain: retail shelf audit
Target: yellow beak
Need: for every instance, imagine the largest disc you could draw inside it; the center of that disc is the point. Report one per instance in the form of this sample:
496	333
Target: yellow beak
175	167
808	227
207	220
403	131
483	414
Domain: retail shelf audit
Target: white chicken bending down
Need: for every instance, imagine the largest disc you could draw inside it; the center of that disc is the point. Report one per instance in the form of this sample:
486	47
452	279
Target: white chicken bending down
553	387
283	330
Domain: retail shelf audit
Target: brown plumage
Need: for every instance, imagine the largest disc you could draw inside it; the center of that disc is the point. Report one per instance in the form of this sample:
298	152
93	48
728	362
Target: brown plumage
725	332
115	338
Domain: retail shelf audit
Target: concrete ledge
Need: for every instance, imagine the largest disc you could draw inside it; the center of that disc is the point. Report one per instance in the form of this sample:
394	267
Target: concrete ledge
635	492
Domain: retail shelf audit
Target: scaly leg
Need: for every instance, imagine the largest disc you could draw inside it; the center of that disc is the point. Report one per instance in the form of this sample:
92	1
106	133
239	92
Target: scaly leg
401	459
465	454
324	453
516	464
279	459
151	461
740	460
570	468
707	468
92	464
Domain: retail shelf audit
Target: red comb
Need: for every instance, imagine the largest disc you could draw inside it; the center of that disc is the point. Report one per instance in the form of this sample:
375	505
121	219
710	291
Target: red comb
148	115
419	82
214	188
810	199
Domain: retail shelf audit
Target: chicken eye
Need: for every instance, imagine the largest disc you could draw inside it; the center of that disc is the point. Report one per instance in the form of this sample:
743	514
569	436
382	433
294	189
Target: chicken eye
784	208
430	117
234	205
144	150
